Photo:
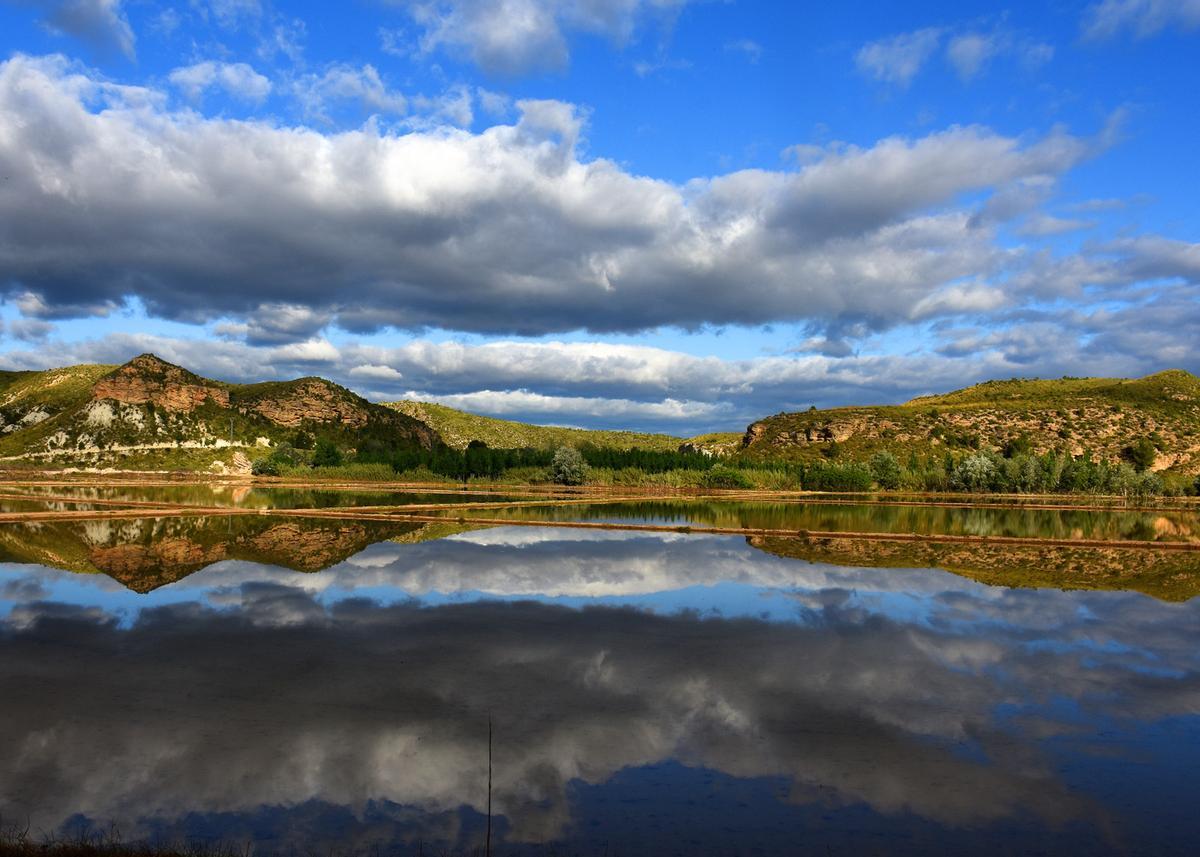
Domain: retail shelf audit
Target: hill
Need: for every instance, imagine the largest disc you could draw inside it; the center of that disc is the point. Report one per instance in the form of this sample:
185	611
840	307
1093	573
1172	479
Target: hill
148	409
1098	416
459	428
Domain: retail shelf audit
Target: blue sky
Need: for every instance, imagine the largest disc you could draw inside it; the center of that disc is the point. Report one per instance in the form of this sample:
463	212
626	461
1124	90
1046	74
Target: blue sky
658	214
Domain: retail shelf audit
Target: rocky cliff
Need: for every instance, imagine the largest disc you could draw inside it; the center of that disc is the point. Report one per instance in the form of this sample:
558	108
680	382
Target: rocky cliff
146	379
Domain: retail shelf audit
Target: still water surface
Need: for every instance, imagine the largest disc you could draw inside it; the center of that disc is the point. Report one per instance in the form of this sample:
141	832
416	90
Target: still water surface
305	685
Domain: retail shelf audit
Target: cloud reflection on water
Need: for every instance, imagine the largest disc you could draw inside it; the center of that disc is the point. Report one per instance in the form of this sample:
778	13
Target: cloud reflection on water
255	687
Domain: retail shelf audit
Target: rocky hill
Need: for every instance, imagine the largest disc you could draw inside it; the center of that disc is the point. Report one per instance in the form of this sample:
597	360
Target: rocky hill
100	415
1099	416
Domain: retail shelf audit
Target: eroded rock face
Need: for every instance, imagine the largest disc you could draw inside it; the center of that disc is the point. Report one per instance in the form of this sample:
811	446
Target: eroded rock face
754	432
147	379
830	431
310	400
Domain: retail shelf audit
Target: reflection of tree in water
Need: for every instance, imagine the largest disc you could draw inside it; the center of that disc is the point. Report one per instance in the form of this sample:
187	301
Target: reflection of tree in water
871	517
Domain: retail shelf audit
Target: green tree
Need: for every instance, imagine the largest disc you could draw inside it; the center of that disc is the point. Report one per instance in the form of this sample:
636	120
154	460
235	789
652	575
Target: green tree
302	440
1141	454
568	466
885	469
265	467
326	454
974	473
723	476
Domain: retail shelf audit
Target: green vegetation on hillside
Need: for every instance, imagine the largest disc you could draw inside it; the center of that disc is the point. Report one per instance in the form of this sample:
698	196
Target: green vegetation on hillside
459	428
1103	419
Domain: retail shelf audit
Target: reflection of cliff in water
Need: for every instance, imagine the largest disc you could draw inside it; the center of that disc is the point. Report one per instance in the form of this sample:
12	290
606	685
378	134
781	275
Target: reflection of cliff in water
146	553
1168	575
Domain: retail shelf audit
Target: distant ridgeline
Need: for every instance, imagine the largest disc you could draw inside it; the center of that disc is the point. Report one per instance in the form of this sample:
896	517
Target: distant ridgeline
1069	434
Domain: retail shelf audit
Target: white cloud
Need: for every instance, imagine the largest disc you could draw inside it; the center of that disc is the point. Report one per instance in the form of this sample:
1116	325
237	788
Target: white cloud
510	231
232	13
897	59
393	41
970	52
1141	17
514	36
574	408
375	372
238	79
319	93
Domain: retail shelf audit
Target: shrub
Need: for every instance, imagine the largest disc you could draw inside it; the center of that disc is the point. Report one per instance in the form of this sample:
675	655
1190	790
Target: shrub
722	476
326	454
885	468
265	467
1140	454
837	477
974	473
568	466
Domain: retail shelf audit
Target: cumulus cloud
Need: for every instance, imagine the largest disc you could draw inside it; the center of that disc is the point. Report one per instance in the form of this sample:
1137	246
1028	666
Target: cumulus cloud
515	36
1142	18
507	230
237	79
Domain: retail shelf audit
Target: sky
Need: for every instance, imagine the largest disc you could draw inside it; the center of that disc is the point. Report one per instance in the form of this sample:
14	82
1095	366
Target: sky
667	215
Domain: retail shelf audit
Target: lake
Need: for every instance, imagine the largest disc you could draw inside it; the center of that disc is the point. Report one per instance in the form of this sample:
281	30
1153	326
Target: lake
306	684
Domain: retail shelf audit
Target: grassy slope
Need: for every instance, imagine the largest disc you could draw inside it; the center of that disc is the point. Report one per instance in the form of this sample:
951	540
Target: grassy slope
52	390
1098	415
458	428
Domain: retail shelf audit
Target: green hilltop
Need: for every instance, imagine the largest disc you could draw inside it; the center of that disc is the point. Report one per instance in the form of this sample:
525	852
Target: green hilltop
458	428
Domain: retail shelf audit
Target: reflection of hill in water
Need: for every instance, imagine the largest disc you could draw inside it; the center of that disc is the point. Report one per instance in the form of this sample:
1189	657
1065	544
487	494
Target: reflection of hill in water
1169	576
145	554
